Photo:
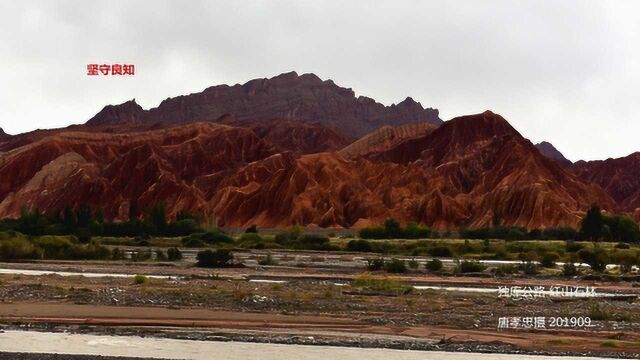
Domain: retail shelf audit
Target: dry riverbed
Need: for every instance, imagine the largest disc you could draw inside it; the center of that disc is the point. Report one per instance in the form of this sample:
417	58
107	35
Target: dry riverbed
312	306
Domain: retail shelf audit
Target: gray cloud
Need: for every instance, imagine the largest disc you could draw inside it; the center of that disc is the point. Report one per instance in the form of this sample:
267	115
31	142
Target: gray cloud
563	71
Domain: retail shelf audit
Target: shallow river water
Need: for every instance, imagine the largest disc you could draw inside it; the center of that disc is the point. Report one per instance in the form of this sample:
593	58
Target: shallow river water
63	343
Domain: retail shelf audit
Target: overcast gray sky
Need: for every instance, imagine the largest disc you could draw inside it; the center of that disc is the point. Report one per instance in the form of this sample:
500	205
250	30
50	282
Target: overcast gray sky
563	71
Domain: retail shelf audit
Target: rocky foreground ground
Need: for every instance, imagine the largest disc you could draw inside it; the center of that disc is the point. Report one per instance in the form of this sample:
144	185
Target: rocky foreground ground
314	306
29	356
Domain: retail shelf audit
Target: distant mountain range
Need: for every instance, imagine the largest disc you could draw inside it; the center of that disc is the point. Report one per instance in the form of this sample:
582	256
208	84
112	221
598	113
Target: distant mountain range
299	150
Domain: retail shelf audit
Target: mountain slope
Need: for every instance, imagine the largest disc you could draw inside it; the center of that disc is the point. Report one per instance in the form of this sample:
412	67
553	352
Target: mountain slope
550	151
457	175
488	167
385	138
620	178
287	96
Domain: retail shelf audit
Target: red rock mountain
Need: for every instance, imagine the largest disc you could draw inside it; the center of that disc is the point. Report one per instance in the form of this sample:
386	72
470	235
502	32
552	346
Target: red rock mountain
385	138
299	150
287	96
484	166
550	151
459	174
620	178
295	136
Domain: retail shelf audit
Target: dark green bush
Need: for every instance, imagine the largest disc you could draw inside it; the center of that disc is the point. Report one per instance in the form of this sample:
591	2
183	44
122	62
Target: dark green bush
505	269
572	246
359	246
375	264
193	242
182	227
18	248
314	242
528	268
470	266
433	265
251	240
117	254
141	255
393	230
395	266
549	259
441	251
213	237
215	259
174	254
597	258
161	255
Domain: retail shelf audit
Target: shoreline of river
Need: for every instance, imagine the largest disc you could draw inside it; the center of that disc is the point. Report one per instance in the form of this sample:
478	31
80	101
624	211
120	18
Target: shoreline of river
271	338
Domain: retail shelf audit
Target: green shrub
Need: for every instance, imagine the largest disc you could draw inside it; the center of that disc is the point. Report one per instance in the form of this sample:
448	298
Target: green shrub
140	279
375	264
174	254
626	259
251	229
54	247
289	236
267	260
469	266
597	258
359	246
528	268
251	241
440	251
393	230
572	246
193	242
549	259
505	269
117	254
380	284
569	269
500	253
314	242
433	265
374	232
182	227
413	264
141	255
213	237
214	259
19	248
622	246
161	255
395	266
597	312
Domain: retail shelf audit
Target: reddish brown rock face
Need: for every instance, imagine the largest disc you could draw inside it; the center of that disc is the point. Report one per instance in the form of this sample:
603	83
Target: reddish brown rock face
288	96
295	136
620	178
279	173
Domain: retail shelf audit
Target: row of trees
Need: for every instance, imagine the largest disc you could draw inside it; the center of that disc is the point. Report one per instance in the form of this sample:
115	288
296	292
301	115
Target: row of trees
392	230
85	222
594	226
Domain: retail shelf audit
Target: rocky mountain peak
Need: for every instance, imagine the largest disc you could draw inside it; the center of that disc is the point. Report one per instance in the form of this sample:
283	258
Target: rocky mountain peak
547	149
128	111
